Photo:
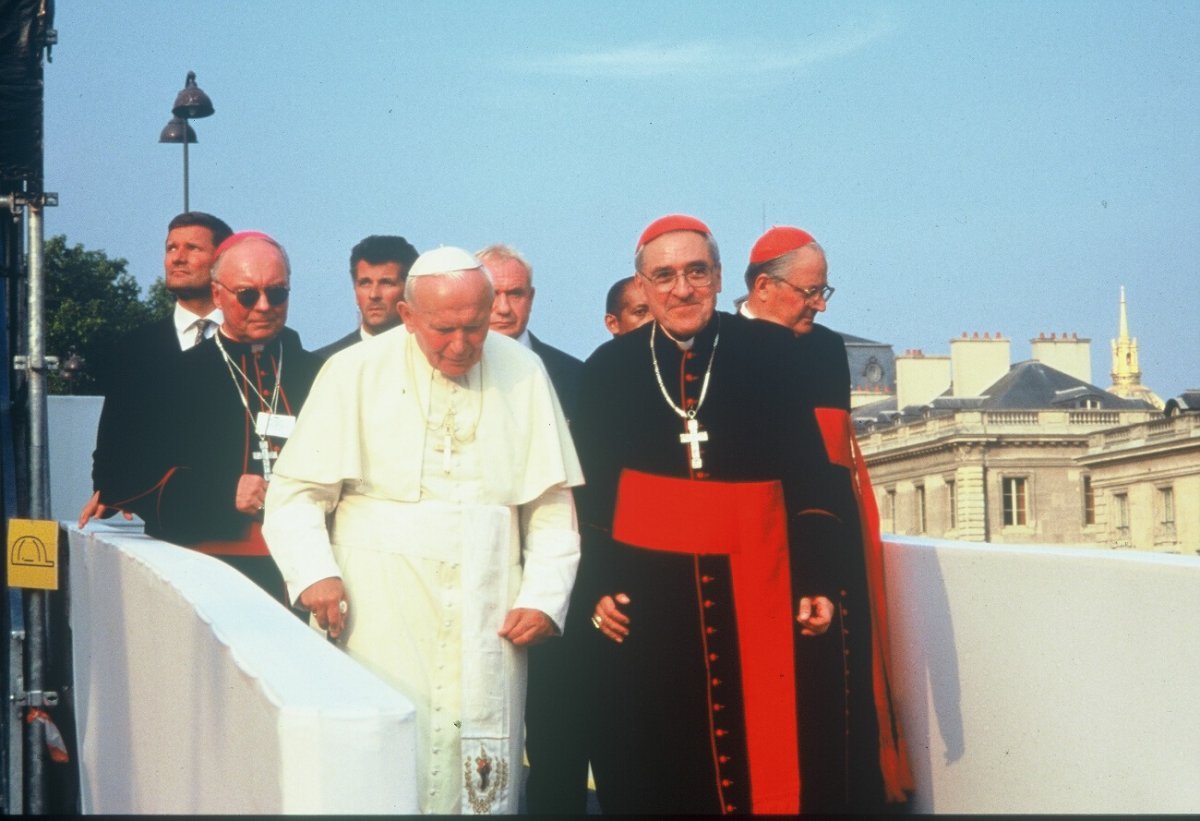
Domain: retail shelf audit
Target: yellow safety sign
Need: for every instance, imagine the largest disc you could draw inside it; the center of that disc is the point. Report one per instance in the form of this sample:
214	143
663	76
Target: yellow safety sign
33	554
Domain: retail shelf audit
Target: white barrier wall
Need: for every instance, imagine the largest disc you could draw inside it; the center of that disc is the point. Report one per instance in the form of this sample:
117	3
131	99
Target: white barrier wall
1047	680
1029	680
195	693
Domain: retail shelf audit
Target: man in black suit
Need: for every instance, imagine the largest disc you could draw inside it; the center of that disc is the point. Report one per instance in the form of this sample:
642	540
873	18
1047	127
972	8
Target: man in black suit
378	266
143	357
512	279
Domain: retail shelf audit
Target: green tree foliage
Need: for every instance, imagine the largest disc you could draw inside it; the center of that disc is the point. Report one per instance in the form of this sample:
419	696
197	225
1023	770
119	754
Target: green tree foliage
159	300
91	301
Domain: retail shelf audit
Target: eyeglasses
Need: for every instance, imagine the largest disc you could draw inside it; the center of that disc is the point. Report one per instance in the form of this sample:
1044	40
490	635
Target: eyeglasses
249	297
698	276
823	291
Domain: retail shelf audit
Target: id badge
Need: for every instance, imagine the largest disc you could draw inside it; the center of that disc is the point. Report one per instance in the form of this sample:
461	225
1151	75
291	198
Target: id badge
274	424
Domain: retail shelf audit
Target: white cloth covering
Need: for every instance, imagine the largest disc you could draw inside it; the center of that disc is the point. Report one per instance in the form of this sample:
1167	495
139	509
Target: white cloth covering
434	553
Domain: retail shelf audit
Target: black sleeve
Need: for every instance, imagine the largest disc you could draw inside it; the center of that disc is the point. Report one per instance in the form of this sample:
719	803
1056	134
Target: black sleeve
819	496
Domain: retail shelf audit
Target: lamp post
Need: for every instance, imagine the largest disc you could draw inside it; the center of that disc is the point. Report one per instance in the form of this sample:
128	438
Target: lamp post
190	104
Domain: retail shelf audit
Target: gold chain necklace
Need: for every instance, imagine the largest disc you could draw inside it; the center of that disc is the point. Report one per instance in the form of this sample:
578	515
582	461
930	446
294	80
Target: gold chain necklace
694	436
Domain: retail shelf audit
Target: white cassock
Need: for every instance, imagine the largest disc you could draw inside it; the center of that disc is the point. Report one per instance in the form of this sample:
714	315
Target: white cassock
448	504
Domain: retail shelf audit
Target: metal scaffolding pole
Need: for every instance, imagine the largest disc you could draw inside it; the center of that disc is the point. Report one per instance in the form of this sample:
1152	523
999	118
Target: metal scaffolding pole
39	504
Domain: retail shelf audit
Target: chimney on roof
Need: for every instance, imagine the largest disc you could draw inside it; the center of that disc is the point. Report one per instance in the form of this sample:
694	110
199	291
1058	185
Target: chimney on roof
976	363
920	378
1066	353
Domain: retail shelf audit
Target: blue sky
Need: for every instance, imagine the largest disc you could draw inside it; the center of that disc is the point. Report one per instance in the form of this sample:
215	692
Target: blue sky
967	166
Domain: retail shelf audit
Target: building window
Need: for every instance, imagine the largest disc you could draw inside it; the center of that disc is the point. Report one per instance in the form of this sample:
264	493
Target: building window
1121	517
1016	501
952	498
1165	532
1166	506
1089	501
920	508
890	507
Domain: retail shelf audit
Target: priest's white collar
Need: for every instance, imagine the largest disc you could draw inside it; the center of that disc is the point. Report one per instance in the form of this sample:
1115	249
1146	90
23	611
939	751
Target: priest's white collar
682	344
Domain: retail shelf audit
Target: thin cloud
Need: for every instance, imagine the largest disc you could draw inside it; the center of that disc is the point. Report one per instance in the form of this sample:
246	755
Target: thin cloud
707	58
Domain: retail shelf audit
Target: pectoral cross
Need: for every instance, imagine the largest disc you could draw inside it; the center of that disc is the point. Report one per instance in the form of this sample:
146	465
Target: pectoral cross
692	439
266	456
447	448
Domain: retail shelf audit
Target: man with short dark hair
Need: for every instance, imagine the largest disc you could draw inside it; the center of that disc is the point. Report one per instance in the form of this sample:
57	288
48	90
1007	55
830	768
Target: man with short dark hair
229	406
715	534
625	308
143	357
378	266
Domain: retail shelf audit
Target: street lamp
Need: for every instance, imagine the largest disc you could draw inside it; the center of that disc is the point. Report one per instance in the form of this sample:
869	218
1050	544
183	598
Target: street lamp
190	104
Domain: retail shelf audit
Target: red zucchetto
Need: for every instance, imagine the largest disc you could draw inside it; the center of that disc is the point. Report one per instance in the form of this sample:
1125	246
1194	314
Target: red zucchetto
777	242
669	223
242	236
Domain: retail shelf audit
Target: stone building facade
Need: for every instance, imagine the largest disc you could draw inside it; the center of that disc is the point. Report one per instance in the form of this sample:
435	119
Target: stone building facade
1143	483
972	447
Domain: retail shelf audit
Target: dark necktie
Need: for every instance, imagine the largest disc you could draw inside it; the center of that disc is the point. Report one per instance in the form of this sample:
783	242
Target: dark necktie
201	327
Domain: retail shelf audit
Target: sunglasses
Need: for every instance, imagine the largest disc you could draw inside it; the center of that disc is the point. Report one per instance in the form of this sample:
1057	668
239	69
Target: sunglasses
248	297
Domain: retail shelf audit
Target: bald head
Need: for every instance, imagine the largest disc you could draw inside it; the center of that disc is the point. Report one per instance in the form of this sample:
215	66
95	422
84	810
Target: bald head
251	279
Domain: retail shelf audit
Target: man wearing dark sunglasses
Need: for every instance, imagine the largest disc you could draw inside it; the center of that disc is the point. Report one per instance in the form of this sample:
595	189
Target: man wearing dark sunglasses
225	413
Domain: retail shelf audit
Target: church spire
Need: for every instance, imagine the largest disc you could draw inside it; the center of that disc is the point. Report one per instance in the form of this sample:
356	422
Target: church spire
1124	323
1126	375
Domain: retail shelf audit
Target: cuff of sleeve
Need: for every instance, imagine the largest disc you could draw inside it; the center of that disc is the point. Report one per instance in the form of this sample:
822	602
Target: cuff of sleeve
310	575
552	557
814	572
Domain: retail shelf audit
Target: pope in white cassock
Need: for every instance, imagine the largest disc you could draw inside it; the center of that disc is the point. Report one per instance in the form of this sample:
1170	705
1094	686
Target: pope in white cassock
422	512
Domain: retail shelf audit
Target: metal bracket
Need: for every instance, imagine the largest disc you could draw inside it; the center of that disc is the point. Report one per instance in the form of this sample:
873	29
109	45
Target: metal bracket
22	363
20	199
32	698
36	698
44	199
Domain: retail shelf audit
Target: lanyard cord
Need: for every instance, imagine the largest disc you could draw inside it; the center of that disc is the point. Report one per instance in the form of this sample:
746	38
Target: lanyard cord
233	366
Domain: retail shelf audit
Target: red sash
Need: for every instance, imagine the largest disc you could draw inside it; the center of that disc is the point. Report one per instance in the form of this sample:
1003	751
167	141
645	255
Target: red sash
252	545
842	448
748	522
